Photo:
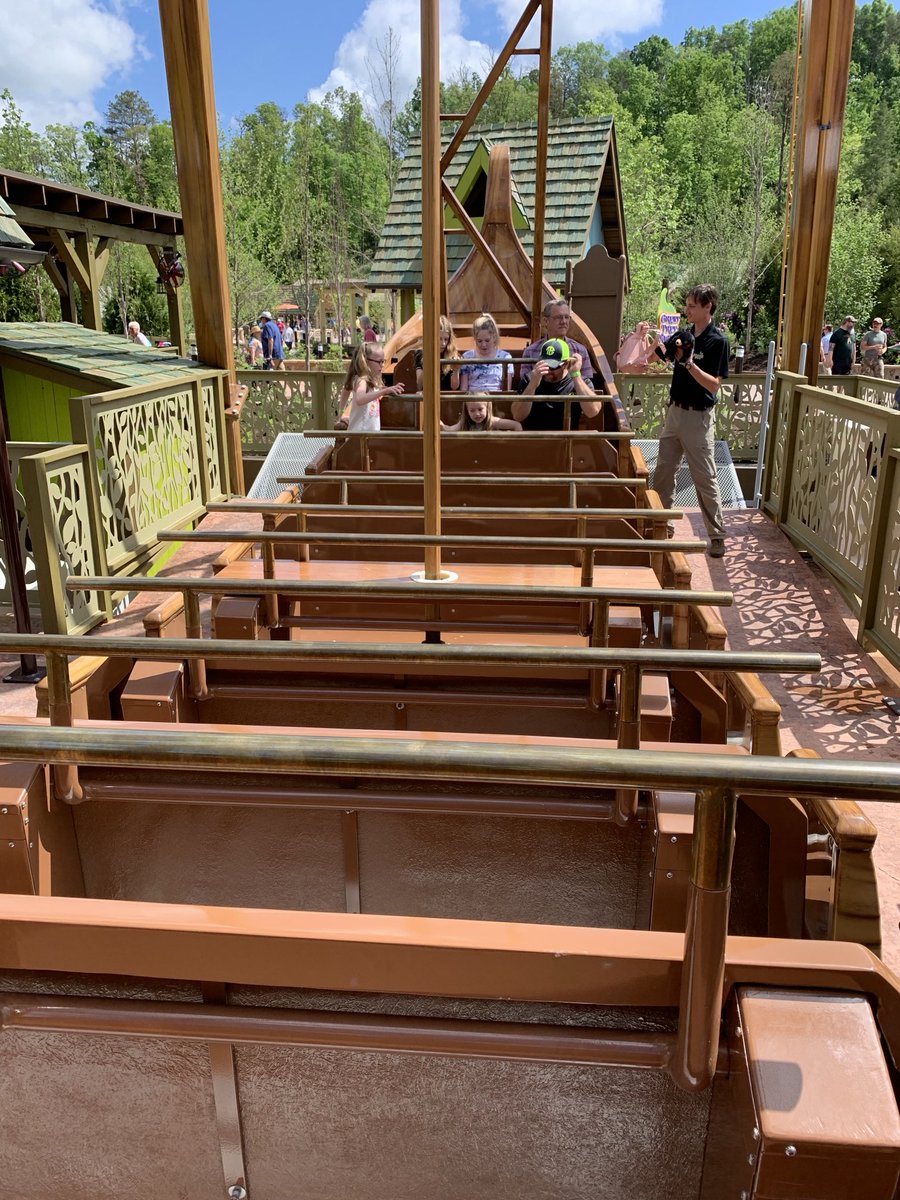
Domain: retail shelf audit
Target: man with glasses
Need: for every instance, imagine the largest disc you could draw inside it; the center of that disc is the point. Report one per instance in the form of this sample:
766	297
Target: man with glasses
872	347
556	373
557	316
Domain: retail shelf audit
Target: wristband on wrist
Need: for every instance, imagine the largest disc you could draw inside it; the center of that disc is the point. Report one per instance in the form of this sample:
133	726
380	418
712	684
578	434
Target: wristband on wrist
574	374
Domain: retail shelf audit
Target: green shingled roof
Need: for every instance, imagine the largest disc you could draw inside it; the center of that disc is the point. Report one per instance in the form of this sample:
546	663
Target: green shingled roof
581	163
95	361
11	233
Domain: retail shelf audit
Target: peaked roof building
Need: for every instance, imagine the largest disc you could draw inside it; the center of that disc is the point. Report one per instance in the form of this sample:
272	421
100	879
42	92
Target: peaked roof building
584	199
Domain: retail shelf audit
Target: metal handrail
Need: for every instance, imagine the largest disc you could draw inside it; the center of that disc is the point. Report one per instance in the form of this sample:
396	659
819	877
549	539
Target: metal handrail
431	590
586	435
654	515
647	658
417	477
351	537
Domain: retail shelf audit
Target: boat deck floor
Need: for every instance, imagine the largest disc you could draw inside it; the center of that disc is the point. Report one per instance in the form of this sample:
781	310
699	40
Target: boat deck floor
782	600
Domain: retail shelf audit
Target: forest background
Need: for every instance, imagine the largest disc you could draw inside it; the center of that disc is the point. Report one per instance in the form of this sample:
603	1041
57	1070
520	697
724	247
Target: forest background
703	132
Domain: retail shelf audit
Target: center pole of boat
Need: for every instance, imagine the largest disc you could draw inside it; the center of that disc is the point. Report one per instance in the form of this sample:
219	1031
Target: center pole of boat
432	235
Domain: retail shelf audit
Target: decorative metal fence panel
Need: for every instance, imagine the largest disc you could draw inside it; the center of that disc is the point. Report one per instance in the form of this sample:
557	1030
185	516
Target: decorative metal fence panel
737	411
885	626
146	459
155	456
862	387
57	490
17	451
286	402
837	455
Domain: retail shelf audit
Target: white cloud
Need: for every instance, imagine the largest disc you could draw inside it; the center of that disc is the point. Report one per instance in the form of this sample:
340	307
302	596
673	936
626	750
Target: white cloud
580	21
57	53
351	69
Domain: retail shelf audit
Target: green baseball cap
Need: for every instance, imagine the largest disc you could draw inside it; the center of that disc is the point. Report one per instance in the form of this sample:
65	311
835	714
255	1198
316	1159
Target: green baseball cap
555	352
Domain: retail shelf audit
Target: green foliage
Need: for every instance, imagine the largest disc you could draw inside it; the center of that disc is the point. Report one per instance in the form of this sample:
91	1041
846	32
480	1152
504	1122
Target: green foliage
702	136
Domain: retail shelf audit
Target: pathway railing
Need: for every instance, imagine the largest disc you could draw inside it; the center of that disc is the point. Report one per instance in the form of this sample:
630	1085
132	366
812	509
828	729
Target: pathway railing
286	402
832	484
143	460
737	411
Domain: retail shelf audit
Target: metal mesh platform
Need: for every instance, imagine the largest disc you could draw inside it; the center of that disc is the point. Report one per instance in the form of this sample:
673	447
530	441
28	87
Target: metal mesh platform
290	455
685	496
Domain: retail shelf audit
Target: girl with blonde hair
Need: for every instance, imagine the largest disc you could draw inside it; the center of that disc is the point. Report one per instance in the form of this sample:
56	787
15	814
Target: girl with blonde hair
478	414
484	377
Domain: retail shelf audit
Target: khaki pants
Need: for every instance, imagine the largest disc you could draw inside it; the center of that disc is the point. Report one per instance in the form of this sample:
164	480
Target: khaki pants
873	364
691	435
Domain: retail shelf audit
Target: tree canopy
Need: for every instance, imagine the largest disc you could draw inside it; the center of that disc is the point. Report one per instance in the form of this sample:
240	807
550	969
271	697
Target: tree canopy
703	132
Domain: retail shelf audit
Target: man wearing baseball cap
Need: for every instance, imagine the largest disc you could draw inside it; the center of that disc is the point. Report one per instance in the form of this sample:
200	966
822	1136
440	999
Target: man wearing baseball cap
557	373
273	347
557	317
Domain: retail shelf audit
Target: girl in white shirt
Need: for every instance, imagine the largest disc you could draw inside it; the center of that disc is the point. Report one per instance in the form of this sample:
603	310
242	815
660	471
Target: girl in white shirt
366	389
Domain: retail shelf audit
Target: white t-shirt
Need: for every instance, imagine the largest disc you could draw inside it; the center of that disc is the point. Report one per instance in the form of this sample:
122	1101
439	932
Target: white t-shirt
485	377
365	418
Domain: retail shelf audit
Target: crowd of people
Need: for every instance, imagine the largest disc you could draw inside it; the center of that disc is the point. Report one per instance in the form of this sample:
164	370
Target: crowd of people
266	343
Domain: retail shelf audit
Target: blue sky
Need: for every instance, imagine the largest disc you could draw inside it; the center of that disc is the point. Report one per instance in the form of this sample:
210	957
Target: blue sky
90	49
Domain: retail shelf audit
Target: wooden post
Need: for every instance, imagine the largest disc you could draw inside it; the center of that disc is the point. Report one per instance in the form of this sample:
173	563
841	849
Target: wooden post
77	254
185	36
432	237
407	304
177	335
540	189
822	95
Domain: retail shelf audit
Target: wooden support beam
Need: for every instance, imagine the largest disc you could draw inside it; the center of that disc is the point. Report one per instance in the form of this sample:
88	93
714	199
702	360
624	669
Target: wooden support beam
101	256
185	36
61	278
487	87
70	259
91	315
822	99
36	218
485	251
432	259
540	183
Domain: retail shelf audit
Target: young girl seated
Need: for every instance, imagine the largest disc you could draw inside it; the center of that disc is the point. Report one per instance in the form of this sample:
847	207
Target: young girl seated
449	373
363	382
478	414
484	377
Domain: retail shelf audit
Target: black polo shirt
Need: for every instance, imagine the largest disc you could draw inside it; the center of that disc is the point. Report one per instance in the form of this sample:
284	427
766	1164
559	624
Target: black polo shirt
546	413
842	351
711	355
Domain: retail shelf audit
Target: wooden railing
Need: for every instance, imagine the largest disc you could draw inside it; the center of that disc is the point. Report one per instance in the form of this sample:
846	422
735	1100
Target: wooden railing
832	484
144	460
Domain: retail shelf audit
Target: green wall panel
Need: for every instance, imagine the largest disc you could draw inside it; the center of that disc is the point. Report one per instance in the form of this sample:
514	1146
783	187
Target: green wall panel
37	410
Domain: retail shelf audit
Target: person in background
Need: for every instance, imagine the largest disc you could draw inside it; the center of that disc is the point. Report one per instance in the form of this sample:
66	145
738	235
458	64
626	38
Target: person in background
556	374
872	348
843	347
484	377
363	382
134	332
368	332
449	373
478	414
288	338
255	348
699	366
273	347
825	349
556	316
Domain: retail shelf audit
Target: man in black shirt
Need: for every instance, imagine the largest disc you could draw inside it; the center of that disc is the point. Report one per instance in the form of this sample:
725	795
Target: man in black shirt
556	373
843	347
689	431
